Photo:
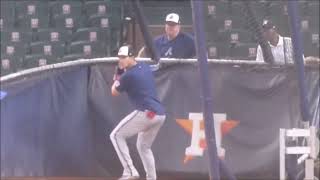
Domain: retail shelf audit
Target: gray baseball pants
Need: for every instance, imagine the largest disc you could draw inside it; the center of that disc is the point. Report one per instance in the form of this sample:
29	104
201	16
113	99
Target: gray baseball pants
137	122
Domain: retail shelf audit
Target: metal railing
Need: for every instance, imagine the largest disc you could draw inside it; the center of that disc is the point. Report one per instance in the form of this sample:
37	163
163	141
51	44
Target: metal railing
89	62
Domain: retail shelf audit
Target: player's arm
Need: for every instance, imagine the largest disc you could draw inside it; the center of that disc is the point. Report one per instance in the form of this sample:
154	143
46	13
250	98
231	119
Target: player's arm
116	82
114	91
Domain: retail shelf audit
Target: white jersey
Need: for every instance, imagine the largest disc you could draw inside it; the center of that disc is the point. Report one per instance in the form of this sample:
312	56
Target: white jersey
282	52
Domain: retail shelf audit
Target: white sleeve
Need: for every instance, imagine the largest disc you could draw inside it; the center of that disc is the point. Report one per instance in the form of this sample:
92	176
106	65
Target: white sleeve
291	52
259	57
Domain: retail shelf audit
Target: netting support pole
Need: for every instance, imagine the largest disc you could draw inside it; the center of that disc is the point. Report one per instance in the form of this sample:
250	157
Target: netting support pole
198	26
141	19
298	57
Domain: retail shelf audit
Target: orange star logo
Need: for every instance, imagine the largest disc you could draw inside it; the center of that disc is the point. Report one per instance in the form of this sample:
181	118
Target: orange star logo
226	126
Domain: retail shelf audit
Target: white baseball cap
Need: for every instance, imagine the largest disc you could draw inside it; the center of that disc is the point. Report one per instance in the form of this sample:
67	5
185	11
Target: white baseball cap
173	17
125	51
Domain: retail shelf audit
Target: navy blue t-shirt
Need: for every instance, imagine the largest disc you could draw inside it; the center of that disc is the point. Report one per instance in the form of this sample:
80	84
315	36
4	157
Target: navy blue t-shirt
182	46
138	82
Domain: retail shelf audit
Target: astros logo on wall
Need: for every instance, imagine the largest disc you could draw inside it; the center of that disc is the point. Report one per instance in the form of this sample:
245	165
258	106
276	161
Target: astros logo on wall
195	127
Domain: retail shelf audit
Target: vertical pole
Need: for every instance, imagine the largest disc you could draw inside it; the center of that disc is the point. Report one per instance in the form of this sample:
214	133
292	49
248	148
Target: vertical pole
198	26
282	145
298	57
144	29
133	25
309	169
312	142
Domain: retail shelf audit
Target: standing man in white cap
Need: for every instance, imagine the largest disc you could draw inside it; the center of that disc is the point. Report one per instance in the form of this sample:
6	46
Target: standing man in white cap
137	80
174	43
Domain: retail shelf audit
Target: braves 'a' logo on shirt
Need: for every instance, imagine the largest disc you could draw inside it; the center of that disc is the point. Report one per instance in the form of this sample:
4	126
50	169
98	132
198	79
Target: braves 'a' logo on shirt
168	52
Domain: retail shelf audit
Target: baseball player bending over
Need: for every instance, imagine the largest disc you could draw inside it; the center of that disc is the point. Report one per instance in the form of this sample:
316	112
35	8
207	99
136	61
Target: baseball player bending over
136	79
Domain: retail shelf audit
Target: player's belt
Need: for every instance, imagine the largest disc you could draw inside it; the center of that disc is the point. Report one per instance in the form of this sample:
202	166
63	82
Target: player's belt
150	114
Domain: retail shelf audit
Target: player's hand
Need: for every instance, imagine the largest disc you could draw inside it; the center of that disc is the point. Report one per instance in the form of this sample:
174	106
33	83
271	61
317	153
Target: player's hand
310	60
118	72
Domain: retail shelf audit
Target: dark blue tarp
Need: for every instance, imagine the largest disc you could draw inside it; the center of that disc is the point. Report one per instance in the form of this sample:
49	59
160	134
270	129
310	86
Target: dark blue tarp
58	122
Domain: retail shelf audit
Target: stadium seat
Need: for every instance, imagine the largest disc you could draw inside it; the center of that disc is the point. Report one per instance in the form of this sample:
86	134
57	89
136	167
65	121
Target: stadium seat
240	10
16	35
278	8
315	38
6	23
92	34
73	57
32	8
97	8
52	35
260	9
33	22
309	24
7	9
303	7
215	9
14	49
237	8
235	36
312	37
7	17
87	49
305	24
37	60
218	50
32	14
9	65
70	22
311	49
66	8
244	51
313	9
233	22
165	3
213	24
6	67
54	49
157	15
99	35
99	21
311	43
314	24
281	23
279	15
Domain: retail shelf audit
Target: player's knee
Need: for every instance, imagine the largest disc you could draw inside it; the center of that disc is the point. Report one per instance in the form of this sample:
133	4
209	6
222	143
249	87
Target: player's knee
113	135
142	146
116	135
